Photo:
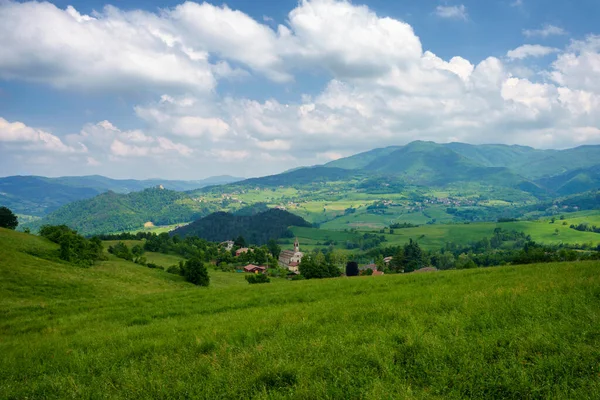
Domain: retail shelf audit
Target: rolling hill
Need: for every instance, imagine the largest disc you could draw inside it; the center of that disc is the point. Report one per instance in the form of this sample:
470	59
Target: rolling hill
256	229
113	212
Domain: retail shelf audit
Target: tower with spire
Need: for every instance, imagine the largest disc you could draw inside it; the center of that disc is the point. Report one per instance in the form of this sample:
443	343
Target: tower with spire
296	246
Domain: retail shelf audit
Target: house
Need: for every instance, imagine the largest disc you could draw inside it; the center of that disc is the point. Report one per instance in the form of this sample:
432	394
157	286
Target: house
377	273
372	267
228	245
290	259
241	251
387	260
255	269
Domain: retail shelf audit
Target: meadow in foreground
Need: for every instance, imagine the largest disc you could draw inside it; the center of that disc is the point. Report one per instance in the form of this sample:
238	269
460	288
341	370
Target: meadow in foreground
119	330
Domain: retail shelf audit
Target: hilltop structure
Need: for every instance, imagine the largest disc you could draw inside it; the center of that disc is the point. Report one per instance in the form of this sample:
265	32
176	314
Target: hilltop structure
290	259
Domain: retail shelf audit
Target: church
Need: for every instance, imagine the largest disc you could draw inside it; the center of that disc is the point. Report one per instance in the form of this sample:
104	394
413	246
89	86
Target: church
290	259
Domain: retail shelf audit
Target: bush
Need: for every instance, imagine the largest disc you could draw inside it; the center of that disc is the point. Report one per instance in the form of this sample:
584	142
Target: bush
352	269
8	219
195	272
174	269
151	265
257	278
74	248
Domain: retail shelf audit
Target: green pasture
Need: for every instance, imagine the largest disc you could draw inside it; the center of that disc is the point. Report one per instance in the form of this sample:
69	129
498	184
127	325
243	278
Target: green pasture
121	331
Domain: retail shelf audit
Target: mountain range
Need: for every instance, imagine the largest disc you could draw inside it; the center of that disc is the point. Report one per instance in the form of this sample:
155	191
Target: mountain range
38	195
527	172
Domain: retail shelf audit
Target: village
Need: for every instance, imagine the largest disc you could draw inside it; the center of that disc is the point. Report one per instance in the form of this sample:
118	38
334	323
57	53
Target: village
289	260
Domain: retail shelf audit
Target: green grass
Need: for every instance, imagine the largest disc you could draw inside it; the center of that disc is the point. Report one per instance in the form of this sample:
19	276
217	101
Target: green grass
118	330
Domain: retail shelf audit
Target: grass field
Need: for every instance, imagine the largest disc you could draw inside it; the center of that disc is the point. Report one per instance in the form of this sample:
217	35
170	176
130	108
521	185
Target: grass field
118	330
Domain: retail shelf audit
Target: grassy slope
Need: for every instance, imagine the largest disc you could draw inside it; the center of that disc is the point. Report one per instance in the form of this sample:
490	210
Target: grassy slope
121	331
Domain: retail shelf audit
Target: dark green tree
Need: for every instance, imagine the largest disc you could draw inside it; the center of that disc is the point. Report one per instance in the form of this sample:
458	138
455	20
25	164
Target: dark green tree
274	248
195	272
8	219
240	242
414	258
352	268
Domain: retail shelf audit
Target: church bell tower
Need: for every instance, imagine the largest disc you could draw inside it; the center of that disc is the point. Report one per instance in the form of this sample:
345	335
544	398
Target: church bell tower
296	246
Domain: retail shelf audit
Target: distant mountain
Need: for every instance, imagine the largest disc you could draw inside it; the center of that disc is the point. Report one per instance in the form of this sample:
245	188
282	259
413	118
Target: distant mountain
303	176
256	229
433	163
576	181
38	196
114	212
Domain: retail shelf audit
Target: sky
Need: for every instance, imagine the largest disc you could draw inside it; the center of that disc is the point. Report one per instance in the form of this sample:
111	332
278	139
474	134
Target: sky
186	90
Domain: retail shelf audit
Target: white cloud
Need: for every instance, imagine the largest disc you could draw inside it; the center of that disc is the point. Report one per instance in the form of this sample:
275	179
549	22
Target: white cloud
115	50
579	66
382	88
452	12
34	139
545	31
517	3
530	50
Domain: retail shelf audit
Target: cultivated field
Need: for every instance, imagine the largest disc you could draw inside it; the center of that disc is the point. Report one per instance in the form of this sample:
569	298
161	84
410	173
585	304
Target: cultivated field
119	330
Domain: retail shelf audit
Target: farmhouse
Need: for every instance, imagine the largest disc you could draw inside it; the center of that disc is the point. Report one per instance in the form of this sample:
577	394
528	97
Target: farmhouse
290	259
241	251
255	269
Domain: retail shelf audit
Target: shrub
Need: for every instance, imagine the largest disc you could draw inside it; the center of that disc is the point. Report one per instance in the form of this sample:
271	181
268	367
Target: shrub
352	268
174	269
257	278
152	265
195	272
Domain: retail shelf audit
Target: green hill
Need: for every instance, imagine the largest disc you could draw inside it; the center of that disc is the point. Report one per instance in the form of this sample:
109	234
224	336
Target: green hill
113	212
576	181
38	196
256	228
417	159
128	332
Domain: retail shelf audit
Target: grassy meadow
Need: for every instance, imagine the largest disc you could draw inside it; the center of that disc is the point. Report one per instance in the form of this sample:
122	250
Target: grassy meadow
119	330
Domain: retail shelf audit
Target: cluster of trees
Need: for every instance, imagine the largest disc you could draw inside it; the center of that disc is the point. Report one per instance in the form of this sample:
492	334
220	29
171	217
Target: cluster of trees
74	248
504	247
585	227
8	220
403	225
257	229
257	278
365	242
317	266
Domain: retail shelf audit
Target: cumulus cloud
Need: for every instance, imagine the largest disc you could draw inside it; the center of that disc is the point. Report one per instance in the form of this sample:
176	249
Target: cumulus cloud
452	12
545	31
530	50
34	139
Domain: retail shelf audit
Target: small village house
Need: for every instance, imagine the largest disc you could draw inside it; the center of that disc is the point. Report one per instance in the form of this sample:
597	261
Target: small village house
255	269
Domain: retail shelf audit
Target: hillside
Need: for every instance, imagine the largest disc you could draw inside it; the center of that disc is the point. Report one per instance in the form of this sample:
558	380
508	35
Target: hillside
576	181
39	196
113	212
506	332
256	228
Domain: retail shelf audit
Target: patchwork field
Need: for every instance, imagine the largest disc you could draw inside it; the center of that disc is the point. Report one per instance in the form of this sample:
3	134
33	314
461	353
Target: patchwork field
119	330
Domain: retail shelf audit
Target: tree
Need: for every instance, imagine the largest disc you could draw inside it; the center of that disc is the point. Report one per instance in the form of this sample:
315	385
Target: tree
352	268
413	256
257	278
8	219
240	242
274	248
195	272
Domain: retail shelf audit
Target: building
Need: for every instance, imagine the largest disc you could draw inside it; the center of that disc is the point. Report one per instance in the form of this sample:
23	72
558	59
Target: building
228	245
241	251
290	259
255	269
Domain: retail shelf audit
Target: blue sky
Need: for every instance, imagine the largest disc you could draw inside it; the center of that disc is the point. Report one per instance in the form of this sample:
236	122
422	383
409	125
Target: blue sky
164	89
